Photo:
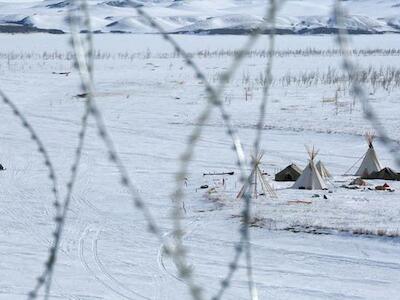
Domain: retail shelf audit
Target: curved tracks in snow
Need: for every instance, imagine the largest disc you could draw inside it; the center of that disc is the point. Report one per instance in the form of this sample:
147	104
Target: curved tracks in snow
97	269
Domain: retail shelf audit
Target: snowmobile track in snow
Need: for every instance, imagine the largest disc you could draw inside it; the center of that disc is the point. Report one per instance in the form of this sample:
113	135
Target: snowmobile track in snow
103	276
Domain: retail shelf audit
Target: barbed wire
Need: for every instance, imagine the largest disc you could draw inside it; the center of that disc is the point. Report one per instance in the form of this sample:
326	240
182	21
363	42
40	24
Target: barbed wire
40	147
85	66
87	87
271	19
357	88
46	278
40	281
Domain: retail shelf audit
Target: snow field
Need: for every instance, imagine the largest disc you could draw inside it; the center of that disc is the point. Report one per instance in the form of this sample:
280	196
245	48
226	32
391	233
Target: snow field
150	106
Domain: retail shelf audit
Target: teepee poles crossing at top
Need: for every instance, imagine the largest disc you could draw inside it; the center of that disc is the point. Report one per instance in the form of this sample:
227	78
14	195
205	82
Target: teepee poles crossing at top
310	179
370	138
370	161
257	179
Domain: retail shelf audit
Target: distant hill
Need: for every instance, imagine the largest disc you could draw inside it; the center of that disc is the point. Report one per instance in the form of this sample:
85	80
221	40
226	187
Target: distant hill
204	16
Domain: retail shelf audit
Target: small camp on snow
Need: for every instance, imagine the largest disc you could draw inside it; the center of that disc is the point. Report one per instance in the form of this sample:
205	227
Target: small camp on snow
1	167
323	171
385	173
310	179
290	173
256	180
370	162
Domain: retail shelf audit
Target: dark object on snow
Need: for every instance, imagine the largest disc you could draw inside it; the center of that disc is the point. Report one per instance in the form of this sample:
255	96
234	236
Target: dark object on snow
325	197
222	173
124	3
290	173
1	167
350	187
385	173
61	73
384	187
205	186
83	95
61	4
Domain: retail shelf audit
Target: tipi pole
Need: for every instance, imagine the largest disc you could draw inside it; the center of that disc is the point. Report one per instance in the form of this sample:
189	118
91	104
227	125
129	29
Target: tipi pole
267	189
345	173
255	182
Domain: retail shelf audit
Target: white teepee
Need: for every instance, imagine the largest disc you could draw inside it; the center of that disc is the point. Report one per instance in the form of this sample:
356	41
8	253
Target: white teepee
323	171
370	162
256	180
310	179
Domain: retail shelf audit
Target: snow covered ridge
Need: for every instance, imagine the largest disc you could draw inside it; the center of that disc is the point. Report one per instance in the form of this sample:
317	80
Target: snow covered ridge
203	16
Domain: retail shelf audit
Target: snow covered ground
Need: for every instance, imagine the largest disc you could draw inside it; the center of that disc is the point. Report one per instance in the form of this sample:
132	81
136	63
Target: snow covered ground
150	101
200	16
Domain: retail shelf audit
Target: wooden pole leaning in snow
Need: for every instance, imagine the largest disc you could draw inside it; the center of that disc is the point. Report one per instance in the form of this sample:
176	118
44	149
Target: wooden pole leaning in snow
310	179
257	179
370	162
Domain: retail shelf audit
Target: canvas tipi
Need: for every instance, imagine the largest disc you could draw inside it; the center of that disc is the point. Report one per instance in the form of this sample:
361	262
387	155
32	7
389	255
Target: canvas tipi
257	184
310	179
370	162
323	171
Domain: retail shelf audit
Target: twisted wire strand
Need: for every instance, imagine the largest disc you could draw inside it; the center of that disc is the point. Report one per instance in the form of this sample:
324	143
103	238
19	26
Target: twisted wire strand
138	202
113	156
60	224
268	75
70	186
76	162
40	148
41	280
271	19
357	88
87	87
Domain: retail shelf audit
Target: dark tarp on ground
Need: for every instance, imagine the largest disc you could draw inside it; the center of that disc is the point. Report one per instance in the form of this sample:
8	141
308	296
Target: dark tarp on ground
290	173
385	173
